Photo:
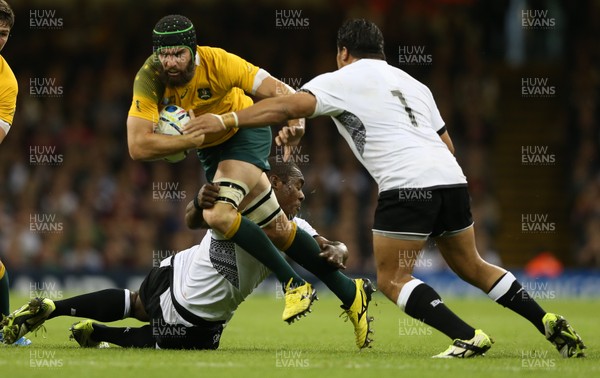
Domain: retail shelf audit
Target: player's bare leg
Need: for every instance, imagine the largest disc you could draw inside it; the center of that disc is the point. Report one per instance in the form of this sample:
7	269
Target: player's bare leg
462	257
395	259
461	254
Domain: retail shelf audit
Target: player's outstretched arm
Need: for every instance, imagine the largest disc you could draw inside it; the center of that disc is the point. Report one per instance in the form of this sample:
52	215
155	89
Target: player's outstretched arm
270	111
271	87
275	111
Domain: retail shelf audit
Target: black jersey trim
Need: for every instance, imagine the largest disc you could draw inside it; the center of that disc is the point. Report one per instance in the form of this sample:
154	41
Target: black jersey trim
355	128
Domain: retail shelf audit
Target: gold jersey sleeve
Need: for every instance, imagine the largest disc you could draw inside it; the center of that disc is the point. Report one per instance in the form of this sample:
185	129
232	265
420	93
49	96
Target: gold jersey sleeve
148	91
220	83
8	92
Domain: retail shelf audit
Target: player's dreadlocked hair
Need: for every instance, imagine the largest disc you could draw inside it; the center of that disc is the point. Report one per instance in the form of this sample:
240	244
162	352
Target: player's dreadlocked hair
174	30
280	168
361	38
7	15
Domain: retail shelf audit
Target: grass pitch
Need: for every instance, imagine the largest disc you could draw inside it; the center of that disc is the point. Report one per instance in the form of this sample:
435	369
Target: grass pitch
257	343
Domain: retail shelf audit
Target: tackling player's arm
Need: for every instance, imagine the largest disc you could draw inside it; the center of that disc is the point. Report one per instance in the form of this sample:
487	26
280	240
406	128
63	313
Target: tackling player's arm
253	80
291	134
270	111
335	252
205	199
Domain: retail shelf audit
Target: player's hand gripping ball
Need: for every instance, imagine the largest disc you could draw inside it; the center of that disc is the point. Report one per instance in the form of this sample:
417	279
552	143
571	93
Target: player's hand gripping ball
170	122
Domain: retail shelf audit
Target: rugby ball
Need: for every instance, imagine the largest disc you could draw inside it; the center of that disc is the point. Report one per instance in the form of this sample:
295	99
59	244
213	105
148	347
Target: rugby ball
170	122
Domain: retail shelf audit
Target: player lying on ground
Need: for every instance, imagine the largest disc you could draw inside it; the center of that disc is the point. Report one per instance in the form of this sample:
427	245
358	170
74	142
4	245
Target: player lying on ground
192	295
393	126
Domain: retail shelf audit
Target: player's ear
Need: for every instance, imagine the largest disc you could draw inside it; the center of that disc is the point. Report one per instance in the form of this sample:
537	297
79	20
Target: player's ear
341	57
344	54
275	181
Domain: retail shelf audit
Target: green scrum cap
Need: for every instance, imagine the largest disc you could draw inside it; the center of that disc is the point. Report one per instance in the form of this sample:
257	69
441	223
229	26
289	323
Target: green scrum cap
174	31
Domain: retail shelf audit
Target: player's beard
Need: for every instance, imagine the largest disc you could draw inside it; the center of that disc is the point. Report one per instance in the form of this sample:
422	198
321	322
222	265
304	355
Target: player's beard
183	78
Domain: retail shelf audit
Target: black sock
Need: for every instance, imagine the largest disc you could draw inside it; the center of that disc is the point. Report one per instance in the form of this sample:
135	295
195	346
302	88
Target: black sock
508	292
424	304
126	337
104	305
305	251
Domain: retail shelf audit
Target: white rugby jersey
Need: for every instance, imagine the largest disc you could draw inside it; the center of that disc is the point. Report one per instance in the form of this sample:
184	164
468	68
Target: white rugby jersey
212	279
390	121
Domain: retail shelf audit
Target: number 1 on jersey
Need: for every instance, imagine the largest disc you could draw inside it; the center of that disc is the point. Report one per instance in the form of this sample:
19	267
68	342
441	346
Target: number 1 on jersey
409	111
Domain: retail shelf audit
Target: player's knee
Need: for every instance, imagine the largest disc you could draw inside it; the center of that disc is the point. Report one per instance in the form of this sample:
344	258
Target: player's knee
220	217
223	215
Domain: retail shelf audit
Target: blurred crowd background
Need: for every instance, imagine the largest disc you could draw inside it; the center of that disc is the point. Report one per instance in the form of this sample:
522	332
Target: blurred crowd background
71	198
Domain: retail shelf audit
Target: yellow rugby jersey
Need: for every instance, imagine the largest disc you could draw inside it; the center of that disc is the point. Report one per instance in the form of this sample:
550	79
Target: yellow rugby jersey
218	87
8	92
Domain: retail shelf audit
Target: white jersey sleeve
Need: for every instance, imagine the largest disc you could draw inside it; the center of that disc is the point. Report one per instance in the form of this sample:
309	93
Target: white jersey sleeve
328	104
